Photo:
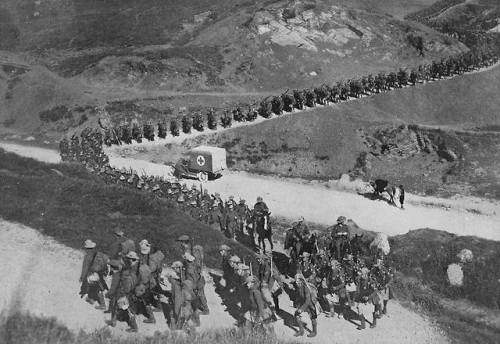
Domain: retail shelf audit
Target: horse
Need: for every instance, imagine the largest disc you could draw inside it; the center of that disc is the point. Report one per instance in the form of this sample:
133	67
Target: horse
262	226
381	185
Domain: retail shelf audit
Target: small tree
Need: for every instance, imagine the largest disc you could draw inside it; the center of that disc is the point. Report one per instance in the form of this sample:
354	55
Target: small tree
174	128
392	79
251	114
198	122
211	120
226	120
187	124
238	116
277	105
370	83
265	108
162	129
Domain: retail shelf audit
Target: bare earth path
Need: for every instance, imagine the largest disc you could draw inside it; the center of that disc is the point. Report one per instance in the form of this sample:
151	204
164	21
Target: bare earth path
318	203
41	275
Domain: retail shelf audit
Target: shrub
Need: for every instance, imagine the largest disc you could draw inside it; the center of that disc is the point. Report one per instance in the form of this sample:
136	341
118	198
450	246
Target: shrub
417	42
174	128
187	124
322	94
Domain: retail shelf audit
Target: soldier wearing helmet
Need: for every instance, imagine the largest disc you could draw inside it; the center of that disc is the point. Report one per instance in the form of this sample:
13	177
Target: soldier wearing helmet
94	268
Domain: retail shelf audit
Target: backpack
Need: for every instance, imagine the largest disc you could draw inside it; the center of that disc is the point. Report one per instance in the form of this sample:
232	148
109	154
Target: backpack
127	246
156	260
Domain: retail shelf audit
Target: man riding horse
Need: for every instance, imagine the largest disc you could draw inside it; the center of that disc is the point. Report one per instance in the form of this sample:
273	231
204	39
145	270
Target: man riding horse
261	223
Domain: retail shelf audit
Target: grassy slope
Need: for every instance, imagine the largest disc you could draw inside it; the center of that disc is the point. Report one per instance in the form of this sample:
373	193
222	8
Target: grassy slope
78	206
27	329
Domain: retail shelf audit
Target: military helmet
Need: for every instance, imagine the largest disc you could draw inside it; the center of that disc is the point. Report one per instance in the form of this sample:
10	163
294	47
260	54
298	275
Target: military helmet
89	244
177	264
132	255
184	238
235	259
224	247
341	219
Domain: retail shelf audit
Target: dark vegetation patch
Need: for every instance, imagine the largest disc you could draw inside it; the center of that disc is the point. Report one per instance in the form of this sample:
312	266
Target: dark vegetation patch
28	329
75	206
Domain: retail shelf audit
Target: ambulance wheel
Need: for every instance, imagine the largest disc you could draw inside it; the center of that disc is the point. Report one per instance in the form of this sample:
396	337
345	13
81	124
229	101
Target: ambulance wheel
202	177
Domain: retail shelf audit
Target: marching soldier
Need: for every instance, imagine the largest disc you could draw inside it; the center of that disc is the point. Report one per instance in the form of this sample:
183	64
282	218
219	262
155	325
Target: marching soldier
200	285
271	283
258	313
231	221
194	275
305	305
94	268
121	246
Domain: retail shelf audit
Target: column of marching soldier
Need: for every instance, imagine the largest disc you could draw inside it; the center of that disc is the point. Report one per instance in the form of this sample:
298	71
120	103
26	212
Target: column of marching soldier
336	279
337	275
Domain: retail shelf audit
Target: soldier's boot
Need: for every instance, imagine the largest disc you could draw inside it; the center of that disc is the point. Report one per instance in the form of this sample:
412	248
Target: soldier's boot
315	328
132	323
150	316
301	328
374	323
384	310
362	326
101	303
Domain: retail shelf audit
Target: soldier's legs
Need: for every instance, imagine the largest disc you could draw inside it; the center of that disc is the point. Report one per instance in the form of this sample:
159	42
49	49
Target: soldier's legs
203	300
168	313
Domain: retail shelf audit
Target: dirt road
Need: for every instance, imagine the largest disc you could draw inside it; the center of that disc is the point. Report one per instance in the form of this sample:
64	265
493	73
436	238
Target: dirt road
322	203
41	275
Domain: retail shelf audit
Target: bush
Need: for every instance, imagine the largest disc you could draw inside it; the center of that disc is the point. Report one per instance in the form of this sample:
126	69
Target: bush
417	42
226	120
211	120
55	114
198	122
187	124
174	128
